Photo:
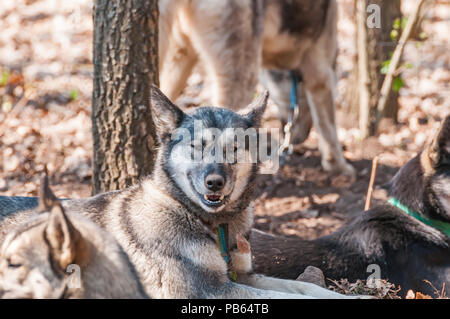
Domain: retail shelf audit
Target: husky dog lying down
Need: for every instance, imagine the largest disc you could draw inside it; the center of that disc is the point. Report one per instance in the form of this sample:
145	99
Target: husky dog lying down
409	239
179	225
50	254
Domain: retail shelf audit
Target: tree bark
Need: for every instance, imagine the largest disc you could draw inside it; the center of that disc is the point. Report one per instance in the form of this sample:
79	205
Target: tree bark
385	92
364	74
125	64
374	46
390	10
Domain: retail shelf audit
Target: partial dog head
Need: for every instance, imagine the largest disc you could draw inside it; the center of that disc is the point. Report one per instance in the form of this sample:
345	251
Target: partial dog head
209	153
60	255
35	256
423	184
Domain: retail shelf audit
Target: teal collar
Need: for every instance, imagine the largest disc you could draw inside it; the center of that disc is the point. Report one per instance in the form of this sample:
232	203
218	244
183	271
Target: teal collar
439	225
222	234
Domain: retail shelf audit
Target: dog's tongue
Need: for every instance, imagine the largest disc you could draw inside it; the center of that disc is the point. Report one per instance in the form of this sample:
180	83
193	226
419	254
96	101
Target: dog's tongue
213	198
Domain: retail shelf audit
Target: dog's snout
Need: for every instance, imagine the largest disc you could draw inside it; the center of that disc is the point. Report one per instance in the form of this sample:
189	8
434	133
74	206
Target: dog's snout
214	182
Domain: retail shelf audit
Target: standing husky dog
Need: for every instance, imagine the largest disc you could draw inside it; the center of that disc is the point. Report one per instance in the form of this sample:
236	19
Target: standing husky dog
172	223
409	239
234	38
36	255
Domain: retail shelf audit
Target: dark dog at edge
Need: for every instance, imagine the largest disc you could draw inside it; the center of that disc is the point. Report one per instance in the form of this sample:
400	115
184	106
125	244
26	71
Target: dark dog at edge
409	238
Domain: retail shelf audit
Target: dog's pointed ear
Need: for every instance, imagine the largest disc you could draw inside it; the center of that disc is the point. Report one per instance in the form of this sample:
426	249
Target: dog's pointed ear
46	197
255	110
439	149
65	242
166	115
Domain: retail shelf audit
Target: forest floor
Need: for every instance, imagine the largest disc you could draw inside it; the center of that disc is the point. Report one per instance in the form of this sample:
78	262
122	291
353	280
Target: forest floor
46	77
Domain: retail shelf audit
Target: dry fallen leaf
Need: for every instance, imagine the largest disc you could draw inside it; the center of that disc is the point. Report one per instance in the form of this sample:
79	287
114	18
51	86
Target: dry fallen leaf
386	290
419	295
410	295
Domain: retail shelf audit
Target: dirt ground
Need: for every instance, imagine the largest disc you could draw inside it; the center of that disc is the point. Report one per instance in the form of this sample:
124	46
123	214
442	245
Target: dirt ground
45	94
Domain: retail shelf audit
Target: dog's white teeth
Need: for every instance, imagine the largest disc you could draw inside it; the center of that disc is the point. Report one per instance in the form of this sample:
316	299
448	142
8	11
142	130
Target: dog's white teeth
214	199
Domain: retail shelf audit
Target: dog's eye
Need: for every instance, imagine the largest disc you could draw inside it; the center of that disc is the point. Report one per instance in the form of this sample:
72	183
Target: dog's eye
13	265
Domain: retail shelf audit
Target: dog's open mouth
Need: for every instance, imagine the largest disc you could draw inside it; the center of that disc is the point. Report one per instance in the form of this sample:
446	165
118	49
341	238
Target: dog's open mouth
213	199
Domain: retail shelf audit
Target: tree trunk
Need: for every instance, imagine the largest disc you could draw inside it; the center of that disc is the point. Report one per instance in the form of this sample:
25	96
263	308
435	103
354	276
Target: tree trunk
390	10
383	101
125	63
374	46
364	70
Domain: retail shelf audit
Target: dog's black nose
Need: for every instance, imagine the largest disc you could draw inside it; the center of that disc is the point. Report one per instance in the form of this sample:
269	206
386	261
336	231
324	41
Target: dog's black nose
214	182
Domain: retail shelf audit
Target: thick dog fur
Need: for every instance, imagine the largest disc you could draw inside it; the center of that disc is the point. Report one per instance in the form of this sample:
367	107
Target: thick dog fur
38	256
168	229
233	39
406	250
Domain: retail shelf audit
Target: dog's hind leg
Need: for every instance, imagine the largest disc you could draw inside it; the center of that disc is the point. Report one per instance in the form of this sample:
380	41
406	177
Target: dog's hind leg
177	58
319	83
319	78
234	86
227	37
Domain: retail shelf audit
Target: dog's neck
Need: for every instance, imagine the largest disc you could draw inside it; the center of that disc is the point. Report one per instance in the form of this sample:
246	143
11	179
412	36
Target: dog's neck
108	273
437	224
410	187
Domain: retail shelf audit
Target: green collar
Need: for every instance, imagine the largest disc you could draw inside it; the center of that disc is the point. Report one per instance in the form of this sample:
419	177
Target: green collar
222	234
439	225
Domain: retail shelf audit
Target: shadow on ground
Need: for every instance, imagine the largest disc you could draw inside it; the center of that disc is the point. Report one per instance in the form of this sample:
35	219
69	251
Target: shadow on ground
302	200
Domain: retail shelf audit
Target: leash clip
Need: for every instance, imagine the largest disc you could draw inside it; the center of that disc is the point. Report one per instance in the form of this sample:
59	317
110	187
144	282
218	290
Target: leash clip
286	147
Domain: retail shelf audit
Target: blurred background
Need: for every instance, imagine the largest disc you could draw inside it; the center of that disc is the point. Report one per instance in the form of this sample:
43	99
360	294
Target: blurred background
46	76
